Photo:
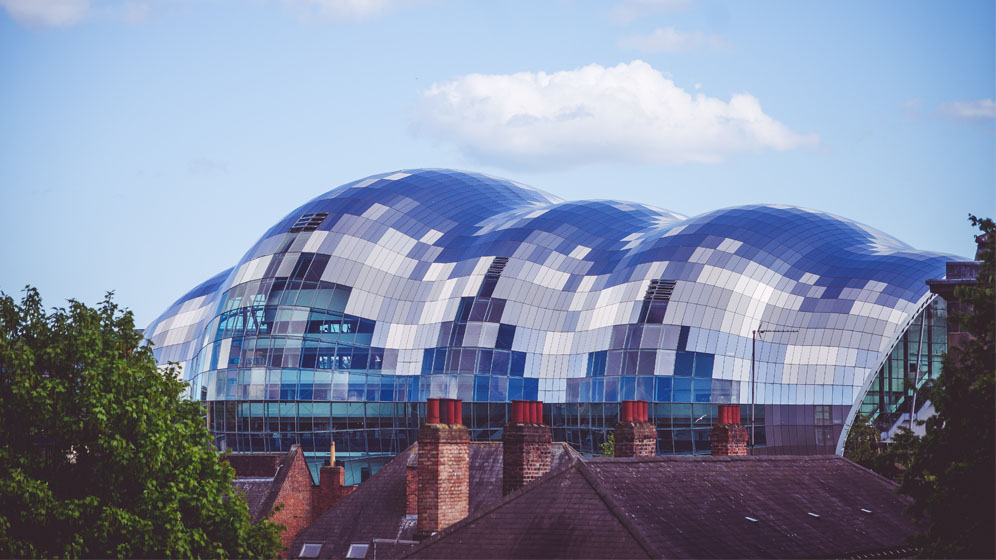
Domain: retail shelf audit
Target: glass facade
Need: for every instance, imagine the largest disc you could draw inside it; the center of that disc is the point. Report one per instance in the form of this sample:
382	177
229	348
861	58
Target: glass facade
360	304
913	363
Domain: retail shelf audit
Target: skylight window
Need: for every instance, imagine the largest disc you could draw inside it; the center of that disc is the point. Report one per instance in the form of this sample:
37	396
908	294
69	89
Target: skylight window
357	550
309	221
310	550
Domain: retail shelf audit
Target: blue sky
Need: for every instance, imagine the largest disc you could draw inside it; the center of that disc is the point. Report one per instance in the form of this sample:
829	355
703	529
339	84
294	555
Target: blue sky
145	145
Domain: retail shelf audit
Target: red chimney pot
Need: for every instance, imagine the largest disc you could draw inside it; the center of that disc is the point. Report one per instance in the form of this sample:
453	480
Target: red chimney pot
450	414
729	414
728	437
432	411
627	411
517	412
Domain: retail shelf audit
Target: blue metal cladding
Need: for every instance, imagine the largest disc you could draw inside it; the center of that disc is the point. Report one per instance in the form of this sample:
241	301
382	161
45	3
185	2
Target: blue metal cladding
440	283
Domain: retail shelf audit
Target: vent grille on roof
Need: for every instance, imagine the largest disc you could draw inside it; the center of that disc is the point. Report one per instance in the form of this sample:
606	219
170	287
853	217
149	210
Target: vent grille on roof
309	221
660	290
491	277
497	265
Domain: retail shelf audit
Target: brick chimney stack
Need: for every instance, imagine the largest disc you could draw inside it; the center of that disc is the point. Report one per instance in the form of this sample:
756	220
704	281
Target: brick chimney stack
443	467
525	446
411	484
331	487
729	437
635	435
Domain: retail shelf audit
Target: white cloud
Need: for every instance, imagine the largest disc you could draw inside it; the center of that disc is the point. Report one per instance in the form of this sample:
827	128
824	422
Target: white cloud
982	110
350	10
628	10
46	13
669	39
629	112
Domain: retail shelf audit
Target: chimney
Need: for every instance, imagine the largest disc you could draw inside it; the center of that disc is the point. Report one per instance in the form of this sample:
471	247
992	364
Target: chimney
411	485
331	487
729	438
443	467
635	435
525	446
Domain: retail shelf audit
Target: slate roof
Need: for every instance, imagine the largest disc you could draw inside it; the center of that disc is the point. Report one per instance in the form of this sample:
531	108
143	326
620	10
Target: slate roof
256	491
688	507
376	510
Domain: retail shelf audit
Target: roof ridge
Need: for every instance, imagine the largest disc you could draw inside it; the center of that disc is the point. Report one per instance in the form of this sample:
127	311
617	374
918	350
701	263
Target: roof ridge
616	510
889	482
512	496
570	451
279	478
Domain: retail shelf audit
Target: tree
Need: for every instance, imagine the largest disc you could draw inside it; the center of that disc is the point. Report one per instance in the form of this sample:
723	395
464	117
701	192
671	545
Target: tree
100	456
898	454
953	466
863	445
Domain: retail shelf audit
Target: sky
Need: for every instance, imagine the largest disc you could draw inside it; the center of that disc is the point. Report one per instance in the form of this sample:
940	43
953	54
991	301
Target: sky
145	145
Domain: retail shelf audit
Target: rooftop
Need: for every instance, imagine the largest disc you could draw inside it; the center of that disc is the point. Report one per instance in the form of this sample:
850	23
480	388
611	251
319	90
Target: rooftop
688	507
376	510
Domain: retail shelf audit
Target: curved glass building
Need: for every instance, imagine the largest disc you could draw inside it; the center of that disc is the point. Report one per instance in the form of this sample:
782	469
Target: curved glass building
363	302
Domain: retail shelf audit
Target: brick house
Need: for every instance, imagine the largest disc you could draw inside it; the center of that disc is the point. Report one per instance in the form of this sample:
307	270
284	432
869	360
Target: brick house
529	498
268	480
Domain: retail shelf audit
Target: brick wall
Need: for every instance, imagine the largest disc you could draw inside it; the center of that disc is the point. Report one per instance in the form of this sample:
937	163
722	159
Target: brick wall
729	440
411	489
635	439
300	501
331	488
295	495
525	455
443	476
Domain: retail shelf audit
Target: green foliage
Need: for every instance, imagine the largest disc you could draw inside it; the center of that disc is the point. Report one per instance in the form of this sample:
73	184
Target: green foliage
863	445
952	469
608	447
897	456
100	456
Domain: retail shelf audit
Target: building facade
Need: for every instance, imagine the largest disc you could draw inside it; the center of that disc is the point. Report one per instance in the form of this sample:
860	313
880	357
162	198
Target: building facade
359	305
